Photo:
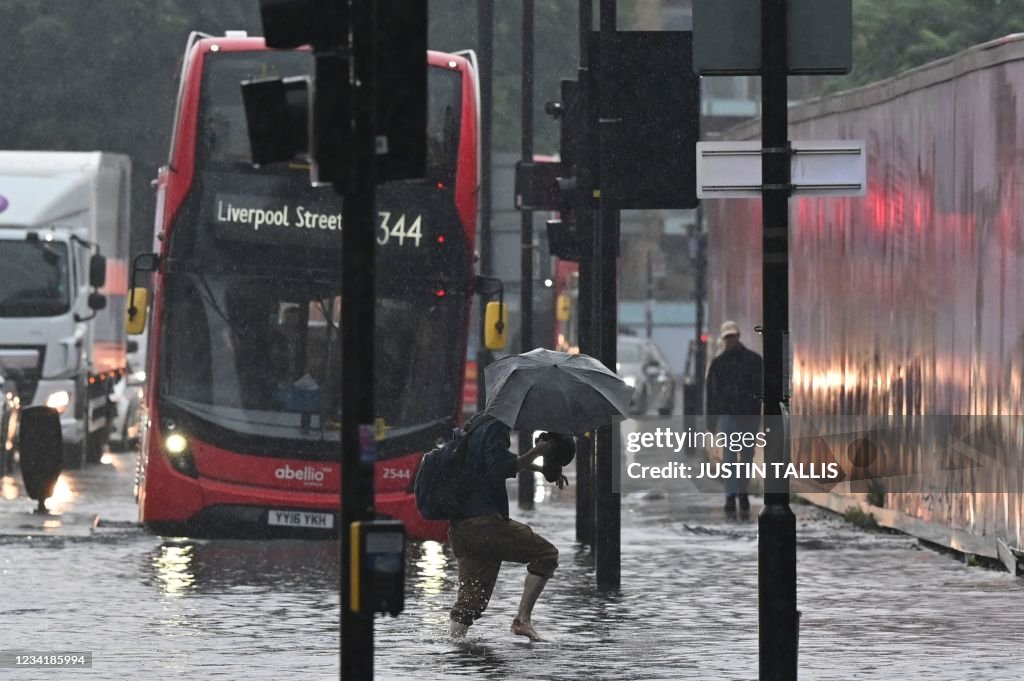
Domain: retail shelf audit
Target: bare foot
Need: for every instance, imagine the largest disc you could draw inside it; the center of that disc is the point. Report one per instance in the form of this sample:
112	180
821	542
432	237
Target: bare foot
525	629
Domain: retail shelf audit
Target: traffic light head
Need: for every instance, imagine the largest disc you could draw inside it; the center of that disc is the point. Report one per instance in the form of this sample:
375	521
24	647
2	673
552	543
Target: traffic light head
277	116
323	24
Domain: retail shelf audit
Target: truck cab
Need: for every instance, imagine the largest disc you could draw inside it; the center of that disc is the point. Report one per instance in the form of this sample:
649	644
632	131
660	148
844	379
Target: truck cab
63	249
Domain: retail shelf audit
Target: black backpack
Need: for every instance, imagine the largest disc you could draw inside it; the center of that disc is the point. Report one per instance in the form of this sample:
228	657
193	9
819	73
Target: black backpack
442	482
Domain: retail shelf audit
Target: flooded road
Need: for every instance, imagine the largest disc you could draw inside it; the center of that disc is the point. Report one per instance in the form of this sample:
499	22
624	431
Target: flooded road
875	606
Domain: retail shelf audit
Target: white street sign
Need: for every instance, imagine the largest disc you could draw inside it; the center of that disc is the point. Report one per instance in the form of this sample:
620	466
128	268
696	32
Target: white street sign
732	170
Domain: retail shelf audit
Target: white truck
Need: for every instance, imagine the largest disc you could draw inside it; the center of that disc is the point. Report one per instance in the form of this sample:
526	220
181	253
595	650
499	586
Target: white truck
64	228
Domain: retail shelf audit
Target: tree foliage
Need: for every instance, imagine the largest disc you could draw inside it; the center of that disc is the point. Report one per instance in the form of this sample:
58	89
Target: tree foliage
556	50
102	74
891	36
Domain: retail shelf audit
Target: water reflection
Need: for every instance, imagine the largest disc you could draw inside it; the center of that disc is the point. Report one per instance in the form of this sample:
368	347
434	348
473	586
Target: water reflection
479	659
172	566
429	567
222	566
9	488
63	495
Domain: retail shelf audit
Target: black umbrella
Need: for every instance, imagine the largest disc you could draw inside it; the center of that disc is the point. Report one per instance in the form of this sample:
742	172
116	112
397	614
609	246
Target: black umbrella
554	391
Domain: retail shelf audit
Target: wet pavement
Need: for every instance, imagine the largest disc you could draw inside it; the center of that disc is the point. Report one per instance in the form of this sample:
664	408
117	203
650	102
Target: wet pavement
875	606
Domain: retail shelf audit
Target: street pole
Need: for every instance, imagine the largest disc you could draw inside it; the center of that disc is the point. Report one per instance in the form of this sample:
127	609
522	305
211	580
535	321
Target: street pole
649	307
526	478
608	504
776	538
700	295
358	252
585	299
485	51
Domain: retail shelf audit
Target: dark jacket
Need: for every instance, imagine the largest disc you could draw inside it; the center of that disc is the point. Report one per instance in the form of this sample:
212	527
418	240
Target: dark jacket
491	464
734	383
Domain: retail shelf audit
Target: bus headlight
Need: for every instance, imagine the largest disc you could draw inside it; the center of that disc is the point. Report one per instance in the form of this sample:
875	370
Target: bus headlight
59	400
179	454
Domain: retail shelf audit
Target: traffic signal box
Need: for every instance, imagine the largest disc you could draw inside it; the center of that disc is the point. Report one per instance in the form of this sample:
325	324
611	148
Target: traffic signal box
277	116
648	84
310	118
377	567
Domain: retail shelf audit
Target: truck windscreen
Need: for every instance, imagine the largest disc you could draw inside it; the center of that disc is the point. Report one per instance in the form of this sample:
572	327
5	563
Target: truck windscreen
33	278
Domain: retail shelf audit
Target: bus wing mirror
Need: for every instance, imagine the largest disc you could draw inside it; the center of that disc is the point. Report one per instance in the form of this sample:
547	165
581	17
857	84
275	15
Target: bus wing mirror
496	324
143	262
137	311
97	271
563	308
146	262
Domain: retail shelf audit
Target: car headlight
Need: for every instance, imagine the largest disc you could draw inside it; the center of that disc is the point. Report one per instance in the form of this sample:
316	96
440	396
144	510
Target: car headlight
630	381
59	400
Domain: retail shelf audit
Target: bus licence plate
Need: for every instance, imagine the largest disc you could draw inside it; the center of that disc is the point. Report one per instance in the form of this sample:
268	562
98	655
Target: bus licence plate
323	521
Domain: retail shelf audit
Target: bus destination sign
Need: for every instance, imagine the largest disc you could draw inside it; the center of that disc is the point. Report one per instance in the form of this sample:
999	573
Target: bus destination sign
269	220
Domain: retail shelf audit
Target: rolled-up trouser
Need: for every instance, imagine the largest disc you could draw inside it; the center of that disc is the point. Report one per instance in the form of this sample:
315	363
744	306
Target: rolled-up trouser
480	545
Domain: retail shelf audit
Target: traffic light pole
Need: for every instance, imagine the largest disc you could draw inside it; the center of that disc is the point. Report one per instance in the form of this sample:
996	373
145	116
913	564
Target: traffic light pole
527	482
608	519
485	52
778	620
700	297
585	302
357	334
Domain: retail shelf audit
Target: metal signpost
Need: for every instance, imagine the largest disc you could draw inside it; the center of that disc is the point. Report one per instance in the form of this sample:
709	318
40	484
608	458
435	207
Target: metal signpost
789	36
358	255
485	53
526	480
778	619
608	504
585	307
629	134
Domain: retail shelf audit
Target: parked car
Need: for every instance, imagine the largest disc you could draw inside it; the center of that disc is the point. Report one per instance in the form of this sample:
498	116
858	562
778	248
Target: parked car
127	399
642	365
693	384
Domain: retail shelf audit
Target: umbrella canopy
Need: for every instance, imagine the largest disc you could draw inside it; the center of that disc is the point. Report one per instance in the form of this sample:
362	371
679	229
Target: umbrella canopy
554	391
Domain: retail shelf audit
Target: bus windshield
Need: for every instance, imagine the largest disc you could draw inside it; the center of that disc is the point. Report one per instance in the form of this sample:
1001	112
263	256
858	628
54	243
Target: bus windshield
261	354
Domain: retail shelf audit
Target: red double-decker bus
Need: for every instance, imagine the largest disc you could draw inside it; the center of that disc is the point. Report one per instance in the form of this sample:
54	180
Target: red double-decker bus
242	428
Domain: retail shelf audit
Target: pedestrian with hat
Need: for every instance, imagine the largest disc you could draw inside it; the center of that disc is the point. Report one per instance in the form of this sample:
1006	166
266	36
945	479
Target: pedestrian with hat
734	406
